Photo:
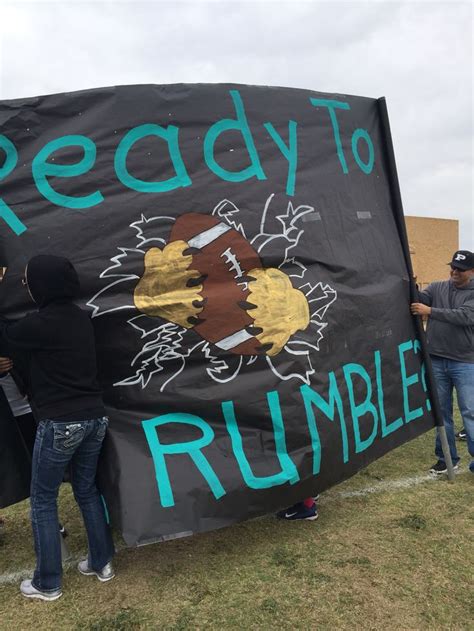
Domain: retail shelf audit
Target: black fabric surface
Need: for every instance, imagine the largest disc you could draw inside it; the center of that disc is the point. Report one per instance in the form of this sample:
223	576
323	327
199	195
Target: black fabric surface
324	220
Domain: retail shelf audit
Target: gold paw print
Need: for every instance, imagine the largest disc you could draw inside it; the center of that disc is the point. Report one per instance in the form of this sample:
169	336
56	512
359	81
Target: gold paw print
168	288
280	309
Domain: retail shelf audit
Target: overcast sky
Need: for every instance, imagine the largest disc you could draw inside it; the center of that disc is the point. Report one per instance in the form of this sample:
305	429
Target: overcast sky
416	54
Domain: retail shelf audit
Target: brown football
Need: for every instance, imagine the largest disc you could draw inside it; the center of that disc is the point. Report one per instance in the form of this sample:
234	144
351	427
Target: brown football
224	258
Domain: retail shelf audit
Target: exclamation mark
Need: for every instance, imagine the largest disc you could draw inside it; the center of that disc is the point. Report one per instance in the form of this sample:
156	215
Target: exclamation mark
423	381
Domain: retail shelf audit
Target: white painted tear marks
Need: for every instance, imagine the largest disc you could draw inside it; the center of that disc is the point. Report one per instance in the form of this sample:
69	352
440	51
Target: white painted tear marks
164	349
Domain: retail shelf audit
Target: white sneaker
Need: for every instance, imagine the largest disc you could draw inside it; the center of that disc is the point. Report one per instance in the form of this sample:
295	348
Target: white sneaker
105	574
29	591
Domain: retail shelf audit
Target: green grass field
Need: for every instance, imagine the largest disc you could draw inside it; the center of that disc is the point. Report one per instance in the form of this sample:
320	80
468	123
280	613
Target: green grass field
384	554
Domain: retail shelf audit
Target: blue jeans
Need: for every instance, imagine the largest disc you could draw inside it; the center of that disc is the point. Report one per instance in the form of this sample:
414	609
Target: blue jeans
451	374
59	443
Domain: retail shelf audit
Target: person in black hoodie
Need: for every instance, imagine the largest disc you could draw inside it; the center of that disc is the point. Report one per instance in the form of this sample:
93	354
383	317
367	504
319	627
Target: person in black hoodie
67	404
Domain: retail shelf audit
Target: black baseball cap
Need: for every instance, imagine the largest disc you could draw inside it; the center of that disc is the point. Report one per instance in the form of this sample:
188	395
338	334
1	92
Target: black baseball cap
462	259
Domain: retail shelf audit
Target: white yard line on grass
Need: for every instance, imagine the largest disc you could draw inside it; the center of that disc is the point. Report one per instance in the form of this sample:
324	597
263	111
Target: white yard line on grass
19	575
393	485
381	487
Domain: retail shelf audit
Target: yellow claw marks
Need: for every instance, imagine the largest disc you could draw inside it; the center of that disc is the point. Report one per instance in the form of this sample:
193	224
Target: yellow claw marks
281	309
162	290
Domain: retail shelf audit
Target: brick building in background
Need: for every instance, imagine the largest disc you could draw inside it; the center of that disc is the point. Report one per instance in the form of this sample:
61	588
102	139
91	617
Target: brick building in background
432	243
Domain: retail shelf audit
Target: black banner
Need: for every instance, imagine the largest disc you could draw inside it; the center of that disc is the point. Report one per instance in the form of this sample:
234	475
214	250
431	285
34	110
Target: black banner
240	255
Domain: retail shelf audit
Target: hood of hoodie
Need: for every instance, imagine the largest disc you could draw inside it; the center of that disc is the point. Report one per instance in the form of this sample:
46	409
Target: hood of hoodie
51	279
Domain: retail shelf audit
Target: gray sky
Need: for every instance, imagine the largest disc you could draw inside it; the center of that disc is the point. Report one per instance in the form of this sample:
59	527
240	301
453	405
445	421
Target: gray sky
417	54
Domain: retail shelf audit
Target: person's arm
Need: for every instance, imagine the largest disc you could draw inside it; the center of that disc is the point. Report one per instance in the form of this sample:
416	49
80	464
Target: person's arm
29	333
6	365
426	296
461	316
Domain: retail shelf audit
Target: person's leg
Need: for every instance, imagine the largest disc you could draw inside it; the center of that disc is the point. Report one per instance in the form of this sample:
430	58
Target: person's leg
83	474
50	458
444	387
463	377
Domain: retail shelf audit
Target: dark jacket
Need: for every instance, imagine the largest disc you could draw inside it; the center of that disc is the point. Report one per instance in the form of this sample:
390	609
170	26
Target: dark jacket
450	330
59	339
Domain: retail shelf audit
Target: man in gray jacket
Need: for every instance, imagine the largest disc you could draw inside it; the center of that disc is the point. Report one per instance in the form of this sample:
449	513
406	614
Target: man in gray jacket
449	306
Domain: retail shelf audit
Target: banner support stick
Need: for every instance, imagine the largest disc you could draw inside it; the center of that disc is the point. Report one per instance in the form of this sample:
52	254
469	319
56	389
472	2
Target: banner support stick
447	454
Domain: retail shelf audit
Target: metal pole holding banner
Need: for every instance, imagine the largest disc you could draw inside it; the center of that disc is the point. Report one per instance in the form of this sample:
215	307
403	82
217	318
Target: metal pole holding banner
402	233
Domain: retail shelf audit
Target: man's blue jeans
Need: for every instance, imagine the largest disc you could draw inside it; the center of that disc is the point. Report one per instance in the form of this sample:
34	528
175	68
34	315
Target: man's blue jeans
59	443
451	374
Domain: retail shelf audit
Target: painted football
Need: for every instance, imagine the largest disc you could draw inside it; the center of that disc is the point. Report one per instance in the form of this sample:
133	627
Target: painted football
223	257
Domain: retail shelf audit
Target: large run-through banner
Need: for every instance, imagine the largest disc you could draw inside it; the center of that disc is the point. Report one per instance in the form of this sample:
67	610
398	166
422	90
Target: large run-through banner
243	257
